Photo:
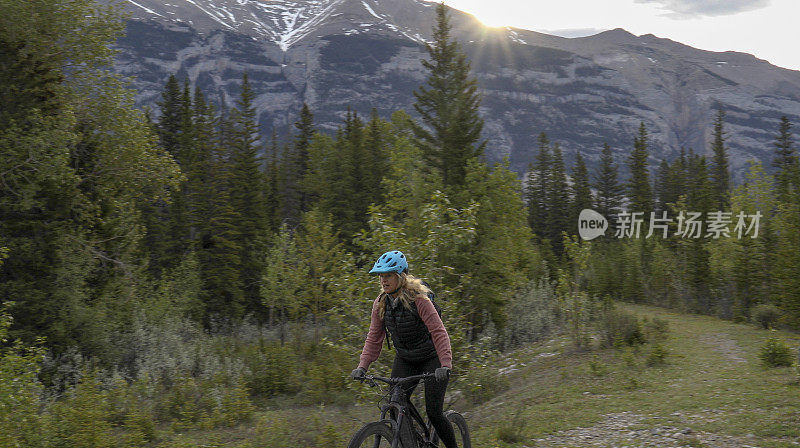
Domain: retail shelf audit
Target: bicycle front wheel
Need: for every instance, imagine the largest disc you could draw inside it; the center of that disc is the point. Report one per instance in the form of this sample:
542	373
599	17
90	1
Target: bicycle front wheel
459	429
372	435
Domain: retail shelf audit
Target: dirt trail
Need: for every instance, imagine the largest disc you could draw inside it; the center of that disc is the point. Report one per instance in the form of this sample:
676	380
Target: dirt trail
722	343
628	429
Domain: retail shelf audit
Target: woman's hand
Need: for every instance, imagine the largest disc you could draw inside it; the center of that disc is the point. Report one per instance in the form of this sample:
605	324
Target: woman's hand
442	373
357	373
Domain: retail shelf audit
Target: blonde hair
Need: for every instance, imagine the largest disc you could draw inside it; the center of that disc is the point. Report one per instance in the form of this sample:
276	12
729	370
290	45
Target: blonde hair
410	288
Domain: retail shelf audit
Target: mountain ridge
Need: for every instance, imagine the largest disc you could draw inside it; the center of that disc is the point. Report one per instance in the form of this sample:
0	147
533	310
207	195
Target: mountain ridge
334	54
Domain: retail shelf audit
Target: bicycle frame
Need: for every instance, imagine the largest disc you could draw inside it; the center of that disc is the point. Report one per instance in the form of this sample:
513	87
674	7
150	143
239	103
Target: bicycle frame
401	406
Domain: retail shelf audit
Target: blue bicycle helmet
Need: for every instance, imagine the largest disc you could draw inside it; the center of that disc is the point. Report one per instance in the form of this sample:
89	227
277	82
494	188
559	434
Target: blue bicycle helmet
392	261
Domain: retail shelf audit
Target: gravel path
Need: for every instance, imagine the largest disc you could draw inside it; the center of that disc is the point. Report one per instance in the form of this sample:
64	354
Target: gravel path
627	429
723	344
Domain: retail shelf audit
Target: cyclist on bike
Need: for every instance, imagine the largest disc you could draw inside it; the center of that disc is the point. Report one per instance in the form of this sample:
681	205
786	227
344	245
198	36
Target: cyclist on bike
417	332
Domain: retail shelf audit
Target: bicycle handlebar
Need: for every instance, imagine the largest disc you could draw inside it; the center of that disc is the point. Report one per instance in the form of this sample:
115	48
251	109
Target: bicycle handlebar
394	381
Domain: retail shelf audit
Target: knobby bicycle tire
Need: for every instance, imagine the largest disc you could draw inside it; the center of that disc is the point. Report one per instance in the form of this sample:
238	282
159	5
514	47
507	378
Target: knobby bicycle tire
379	431
460	425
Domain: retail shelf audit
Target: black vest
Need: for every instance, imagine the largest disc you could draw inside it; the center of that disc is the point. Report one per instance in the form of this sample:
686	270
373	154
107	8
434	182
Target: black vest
410	336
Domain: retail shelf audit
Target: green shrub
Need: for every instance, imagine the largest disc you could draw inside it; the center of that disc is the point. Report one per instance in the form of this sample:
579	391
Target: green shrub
80	420
186	403
657	356
132	404
774	353
325	374
629	358
477	375
656	330
620	328
329	437
274	432
597	368
510	430
631	384
766	315
268	365
798	364
482	383
20	423
531	316
206	403
141	428
233	406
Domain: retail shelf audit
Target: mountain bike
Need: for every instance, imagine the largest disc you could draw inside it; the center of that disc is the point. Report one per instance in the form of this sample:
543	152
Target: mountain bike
401	425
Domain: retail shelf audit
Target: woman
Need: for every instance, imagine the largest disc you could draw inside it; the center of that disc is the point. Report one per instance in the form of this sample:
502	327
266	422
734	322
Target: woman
420	339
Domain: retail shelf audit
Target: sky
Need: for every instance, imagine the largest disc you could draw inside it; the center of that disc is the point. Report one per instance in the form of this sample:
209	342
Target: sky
768	29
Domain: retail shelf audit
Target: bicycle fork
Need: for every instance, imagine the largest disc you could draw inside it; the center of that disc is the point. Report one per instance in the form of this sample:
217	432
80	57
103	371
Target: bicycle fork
398	419
397	434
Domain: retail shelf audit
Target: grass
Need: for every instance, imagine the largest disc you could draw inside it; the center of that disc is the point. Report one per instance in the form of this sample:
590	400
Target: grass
711	381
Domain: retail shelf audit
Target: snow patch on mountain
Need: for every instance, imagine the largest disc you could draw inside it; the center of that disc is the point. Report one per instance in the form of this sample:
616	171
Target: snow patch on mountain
370	10
148	10
283	22
514	36
295	33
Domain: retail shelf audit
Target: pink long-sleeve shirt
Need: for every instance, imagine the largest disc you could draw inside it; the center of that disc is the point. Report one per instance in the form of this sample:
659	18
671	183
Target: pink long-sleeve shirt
429	316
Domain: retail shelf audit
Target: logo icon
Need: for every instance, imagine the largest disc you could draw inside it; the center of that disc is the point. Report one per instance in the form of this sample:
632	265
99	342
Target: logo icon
591	224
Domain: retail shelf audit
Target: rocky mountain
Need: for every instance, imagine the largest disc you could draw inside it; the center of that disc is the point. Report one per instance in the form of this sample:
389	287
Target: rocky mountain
364	54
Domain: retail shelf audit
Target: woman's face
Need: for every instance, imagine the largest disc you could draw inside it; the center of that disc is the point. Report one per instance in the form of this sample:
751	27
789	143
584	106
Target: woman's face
389	281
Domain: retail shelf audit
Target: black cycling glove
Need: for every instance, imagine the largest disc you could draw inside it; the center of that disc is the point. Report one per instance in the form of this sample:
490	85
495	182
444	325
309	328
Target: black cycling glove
358	373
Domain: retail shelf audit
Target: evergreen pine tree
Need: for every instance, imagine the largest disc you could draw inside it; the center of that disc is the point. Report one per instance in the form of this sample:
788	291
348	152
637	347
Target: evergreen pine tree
581	191
247	194
662	187
199	175
638	188
558	207
377	159
180	210
786	161
305	128
186	130
719	168
295	164
700	198
676	182
170	121
359	182
759	265
538	188
640	198
203	122
271	187
334	178
166	223
220	238
450	126
609	190
700	187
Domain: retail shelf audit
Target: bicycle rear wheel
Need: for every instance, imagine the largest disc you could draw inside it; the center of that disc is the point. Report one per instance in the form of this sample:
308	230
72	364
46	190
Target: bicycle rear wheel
372	435
459	429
